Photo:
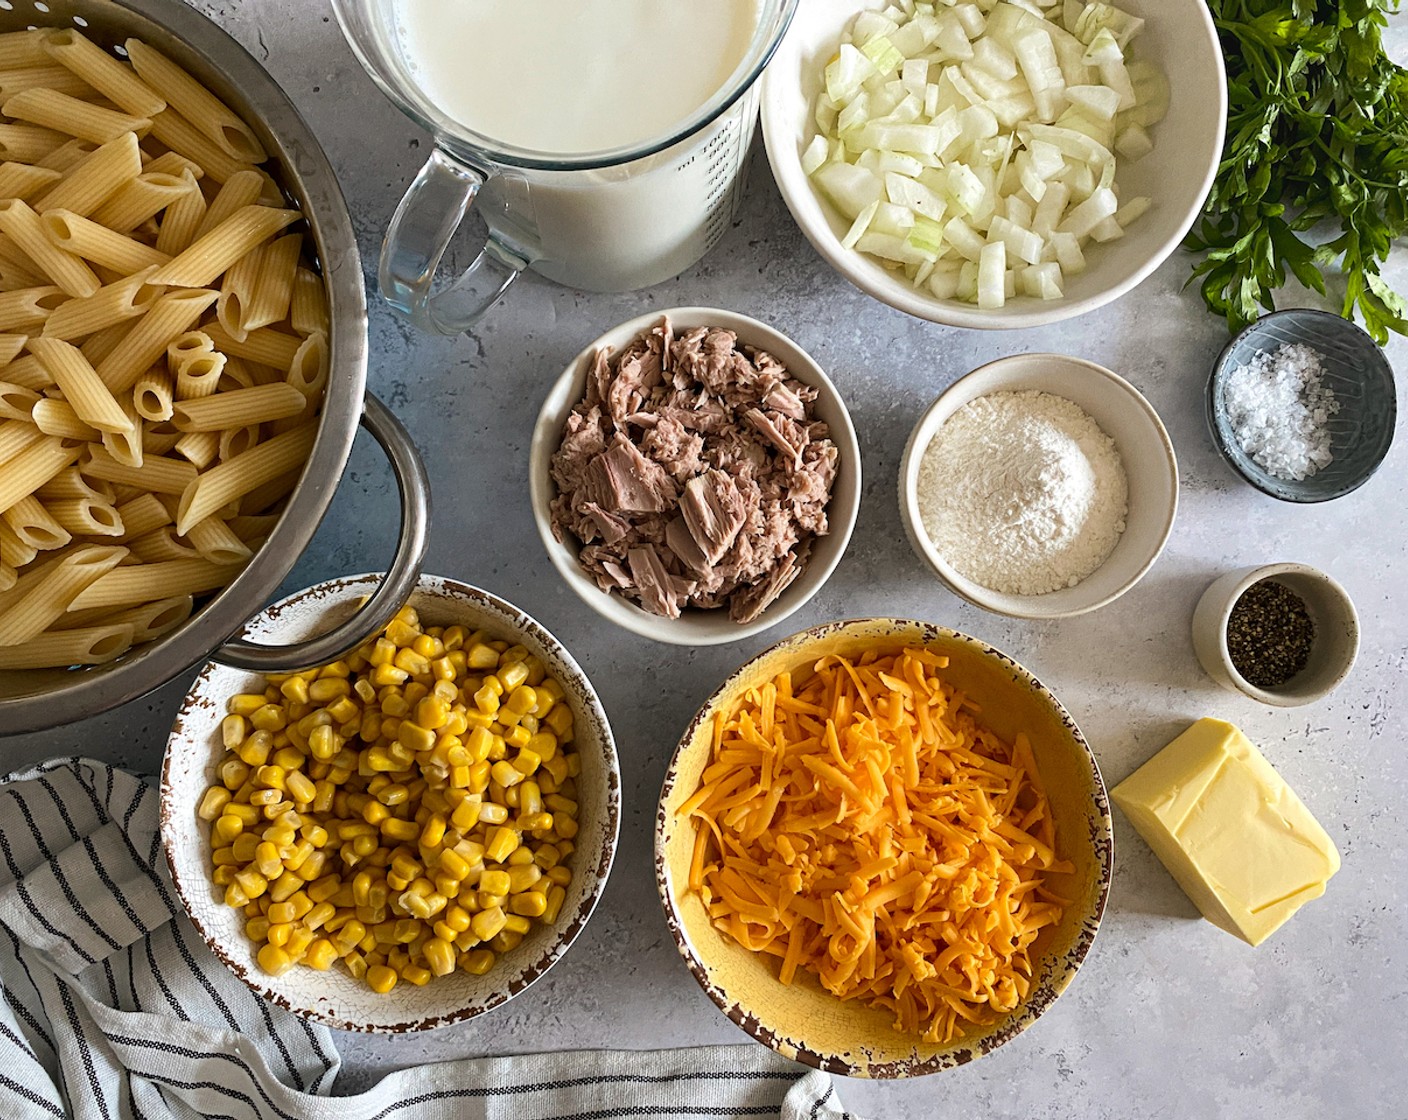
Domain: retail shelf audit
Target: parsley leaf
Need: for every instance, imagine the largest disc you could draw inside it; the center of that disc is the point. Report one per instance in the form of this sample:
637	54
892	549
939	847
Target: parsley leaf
1317	137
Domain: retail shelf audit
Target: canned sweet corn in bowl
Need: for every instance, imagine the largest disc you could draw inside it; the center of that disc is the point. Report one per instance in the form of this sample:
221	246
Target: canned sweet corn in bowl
405	838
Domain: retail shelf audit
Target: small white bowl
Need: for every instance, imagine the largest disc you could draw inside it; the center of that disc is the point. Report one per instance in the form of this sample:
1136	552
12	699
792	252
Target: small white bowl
1332	653
699	627
1179	36
1124	415
194	752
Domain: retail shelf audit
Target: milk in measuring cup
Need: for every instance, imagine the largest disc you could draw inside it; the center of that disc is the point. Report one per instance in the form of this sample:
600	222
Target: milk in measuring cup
567	77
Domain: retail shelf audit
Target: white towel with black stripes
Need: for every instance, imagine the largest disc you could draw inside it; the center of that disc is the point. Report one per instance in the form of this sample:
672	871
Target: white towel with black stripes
115	1008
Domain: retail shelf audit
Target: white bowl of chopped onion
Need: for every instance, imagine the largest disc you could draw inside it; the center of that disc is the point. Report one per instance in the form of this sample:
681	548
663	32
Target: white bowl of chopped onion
982	166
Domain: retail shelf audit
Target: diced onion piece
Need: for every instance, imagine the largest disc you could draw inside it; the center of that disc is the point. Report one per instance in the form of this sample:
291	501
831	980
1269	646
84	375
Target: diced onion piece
1085	216
992	276
1099	102
943	280
1107	230
1042	280
860	225
817	153
994	58
1037	58
845	74
966	241
1068	253
851	189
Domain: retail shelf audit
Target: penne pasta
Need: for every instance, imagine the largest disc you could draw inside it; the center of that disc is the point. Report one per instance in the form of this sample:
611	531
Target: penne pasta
162	544
206	112
148	620
22	180
91	399
174	163
131	447
94	178
99	245
54	416
209	256
44	603
232	480
217	542
70	483
113	303
35	526
141	515
14	551
34	466
140	198
10	347
244	188
238	408
16	402
181	220
51	109
127	586
199	376
28	308
308	307
152	395
98	69
93	645
21	224
67	155
170	317
266	346
27	143
51	76
235	289
157	474
159	438
270	298
8	577
177	133
88	516
308	372
236	441
22	48
15	436
201	448
253	527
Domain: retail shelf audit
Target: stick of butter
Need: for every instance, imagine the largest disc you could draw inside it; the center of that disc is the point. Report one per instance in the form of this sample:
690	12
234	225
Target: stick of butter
1237	838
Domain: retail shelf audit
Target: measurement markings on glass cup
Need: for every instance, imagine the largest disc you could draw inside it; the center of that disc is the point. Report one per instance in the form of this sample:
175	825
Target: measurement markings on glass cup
722	152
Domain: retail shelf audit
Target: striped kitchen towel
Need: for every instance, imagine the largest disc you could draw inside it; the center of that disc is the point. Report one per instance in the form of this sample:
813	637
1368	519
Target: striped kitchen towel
114	1008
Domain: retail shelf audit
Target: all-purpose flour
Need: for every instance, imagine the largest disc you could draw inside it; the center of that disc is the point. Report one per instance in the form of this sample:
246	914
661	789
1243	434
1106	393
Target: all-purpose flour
1022	492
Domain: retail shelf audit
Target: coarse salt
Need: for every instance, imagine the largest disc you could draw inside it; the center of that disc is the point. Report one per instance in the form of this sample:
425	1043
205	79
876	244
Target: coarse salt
1279	410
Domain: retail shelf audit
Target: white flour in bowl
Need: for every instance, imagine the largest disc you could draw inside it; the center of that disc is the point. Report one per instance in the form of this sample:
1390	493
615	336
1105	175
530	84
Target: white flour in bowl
1022	492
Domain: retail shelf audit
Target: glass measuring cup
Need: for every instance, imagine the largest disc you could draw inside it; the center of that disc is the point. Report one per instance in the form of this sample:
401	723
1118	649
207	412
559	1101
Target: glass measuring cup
611	221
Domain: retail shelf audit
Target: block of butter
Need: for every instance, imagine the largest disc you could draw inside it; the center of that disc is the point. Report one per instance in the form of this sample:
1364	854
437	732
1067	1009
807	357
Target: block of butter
1228	828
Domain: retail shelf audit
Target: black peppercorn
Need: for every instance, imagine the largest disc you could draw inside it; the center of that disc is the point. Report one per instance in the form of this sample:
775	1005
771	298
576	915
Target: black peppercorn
1269	634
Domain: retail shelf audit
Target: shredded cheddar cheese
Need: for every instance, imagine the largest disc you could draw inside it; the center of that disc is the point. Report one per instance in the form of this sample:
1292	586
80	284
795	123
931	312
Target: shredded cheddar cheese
864	828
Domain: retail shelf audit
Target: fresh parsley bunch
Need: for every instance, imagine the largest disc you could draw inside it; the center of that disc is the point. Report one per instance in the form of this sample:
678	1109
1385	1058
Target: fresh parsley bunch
1317	132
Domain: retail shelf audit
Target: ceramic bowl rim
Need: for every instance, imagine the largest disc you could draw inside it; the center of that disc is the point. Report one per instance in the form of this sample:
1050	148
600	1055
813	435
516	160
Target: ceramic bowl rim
841	517
970	590
570	926
1261	480
1027	1012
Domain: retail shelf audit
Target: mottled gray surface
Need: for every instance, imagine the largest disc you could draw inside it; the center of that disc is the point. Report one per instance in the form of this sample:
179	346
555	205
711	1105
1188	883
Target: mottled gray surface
1169	1017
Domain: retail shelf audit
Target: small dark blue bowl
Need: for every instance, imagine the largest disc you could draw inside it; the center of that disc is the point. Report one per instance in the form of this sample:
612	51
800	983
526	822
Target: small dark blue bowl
1355	370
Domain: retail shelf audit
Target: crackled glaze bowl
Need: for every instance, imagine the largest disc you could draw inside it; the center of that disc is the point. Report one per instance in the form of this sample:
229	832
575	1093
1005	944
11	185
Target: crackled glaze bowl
194	751
804	1022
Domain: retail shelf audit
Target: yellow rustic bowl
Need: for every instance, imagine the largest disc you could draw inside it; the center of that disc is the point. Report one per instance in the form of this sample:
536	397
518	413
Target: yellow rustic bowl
803	1021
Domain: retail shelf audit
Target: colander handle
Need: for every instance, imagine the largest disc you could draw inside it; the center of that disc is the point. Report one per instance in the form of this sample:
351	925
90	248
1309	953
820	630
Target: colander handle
417	238
395	589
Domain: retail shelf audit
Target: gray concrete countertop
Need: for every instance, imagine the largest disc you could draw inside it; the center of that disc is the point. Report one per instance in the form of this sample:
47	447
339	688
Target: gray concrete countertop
1169	1017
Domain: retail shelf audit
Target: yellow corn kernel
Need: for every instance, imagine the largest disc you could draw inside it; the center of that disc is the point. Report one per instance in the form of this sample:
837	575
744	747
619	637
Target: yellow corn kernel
300	787
270	863
487	923
295	690
433	832
555	898
328	689
406	867
356	965
381	979
222	856
256	749
522	878
453	864
543	744
324	888
516	923
482	657
531	904
388	674
323	742
233	773
285	887
564	826
248	815
320	954
517	737
559	721
226	829
440	956
350	935
235	896
374	813
406	930
252	882
361	887
414	737
561	875
506	774
244	846
271	717
502	841
396	829
526	761
511	676
298	942
507	941
535	822
521	856
478	962
274	960
432	713
490	813
212	805
257	929
414	974
245	703
319	914
494	882
279	933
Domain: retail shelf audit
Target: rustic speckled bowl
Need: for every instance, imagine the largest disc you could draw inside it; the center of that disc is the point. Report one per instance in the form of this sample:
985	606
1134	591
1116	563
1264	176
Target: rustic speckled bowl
194	751
803	1021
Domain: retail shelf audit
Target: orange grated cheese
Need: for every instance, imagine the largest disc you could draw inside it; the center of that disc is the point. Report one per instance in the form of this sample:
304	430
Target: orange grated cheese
861	826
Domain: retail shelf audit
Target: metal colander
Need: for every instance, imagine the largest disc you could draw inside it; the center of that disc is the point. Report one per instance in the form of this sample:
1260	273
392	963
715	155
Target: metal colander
37	699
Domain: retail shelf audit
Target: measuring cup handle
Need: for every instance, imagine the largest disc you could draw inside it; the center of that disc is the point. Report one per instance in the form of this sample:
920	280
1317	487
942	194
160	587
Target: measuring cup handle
420	231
